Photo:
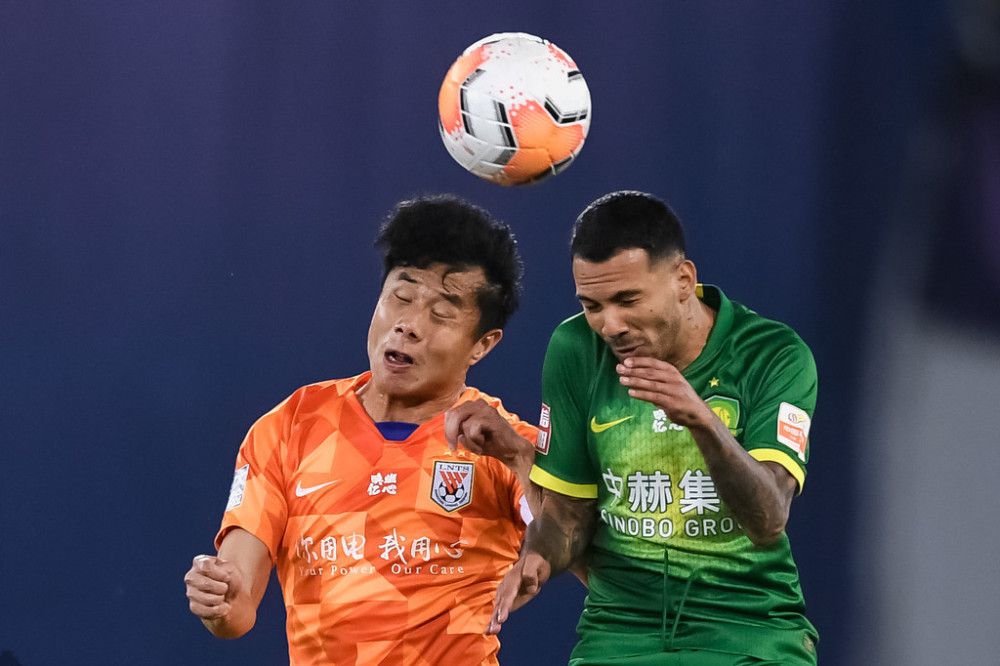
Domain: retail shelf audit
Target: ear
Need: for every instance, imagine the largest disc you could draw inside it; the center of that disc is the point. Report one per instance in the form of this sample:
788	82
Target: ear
686	277
484	345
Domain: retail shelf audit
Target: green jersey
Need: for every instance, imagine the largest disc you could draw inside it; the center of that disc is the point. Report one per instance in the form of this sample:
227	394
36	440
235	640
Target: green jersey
667	548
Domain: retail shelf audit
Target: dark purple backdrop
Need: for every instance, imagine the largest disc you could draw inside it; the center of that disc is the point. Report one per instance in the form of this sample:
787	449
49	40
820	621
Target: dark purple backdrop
188	194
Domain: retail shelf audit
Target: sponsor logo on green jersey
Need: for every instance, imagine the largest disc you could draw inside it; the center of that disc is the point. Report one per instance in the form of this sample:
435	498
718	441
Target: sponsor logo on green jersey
601	427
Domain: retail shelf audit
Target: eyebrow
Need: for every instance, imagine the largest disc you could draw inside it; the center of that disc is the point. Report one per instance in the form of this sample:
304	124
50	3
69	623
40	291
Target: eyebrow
454	299
617	296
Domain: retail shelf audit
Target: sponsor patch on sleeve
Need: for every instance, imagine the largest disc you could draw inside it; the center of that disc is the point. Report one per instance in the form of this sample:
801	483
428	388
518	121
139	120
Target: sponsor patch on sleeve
793	428
544	430
239	486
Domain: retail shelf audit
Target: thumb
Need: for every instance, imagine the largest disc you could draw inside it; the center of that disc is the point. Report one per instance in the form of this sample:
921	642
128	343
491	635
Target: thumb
229	571
214	567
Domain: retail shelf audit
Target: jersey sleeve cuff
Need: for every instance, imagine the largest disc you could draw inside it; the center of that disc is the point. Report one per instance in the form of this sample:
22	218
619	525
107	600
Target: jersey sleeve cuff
783	459
550	482
229	526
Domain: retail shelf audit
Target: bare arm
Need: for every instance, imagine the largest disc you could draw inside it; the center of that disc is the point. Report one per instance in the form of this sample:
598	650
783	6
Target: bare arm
555	540
562	530
480	429
225	590
759	494
521	467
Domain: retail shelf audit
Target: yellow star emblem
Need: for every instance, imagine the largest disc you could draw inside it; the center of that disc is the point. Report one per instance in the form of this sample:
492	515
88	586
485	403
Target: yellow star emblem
713	382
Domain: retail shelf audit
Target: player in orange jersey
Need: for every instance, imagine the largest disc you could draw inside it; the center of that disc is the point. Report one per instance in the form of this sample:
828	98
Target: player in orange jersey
389	546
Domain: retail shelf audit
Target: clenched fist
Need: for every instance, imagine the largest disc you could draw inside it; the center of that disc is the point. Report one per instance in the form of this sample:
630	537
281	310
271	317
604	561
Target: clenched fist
479	428
213	585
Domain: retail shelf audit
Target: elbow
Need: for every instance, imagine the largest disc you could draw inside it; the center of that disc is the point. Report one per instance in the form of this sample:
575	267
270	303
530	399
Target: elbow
768	533
230	633
228	630
765	539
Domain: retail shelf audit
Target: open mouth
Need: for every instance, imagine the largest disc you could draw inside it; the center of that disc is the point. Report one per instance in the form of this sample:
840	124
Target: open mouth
398	358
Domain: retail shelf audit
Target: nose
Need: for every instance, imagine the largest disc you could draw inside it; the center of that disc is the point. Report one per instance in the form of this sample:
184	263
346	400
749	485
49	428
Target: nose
406	329
612	324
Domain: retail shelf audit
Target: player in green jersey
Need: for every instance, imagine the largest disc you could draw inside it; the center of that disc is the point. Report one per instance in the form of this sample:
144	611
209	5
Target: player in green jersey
675	434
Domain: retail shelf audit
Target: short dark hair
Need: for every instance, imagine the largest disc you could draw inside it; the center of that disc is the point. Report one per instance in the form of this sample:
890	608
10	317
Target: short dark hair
448	230
624	220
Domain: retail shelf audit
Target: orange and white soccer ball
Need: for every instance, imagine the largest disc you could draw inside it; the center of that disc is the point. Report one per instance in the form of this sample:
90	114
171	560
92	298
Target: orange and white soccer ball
514	108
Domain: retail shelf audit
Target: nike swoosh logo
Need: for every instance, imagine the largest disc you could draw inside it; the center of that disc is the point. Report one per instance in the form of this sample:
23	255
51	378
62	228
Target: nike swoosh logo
601	427
302	491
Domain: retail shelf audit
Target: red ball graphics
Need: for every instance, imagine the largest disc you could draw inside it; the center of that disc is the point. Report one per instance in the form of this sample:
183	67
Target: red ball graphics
514	108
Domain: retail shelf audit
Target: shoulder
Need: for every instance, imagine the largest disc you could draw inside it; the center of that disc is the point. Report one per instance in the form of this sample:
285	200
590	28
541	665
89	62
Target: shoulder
573	342
766	339
573	331
776	358
475	394
523	428
316	395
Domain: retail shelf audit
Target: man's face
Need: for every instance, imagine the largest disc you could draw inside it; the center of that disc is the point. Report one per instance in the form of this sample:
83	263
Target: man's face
422	338
635	305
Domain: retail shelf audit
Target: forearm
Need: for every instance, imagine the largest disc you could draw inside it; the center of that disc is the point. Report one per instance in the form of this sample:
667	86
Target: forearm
748	487
562	529
236	623
519	459
532	493
251	570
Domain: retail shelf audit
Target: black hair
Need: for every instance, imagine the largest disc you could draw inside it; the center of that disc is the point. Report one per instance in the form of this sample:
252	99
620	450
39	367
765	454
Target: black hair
448	230
624	220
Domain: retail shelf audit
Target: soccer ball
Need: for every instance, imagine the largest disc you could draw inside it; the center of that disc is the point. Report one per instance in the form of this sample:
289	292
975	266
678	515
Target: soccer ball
514	109
451	496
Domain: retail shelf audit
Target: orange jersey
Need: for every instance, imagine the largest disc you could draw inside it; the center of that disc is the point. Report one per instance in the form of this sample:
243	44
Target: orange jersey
387	552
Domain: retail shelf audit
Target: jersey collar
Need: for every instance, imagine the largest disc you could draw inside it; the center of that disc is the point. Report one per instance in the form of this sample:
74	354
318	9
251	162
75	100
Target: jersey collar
713	297
437	421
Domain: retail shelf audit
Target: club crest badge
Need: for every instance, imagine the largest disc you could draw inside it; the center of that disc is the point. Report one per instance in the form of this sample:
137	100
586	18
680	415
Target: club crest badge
728	411
451	487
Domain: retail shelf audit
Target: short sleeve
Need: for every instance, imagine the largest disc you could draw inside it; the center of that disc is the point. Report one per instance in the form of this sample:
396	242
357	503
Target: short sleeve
781	409
257	496
562	459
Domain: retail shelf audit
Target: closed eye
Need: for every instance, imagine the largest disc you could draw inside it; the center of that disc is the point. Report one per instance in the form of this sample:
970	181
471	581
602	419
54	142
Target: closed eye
626	298
441	314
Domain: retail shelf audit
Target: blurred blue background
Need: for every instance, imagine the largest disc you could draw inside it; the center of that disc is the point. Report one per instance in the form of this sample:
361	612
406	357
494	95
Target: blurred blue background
188	197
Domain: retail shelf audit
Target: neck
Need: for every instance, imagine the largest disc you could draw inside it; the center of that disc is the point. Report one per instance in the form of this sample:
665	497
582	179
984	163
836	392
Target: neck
694	332
383	406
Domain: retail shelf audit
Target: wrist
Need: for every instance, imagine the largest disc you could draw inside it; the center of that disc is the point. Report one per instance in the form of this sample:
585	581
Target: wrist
526	457
234	624
705	421
520	454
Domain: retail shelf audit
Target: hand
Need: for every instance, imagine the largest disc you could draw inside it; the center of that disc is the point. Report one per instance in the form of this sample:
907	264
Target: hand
663	385
211	584
479	428
518	587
